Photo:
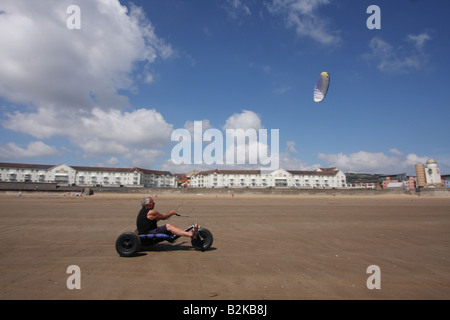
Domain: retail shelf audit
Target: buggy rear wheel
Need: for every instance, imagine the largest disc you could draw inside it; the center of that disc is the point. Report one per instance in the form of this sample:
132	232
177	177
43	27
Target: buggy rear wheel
128	244
204	240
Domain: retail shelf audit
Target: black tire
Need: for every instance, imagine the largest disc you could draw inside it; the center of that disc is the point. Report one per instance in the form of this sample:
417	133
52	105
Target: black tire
128	244
204	241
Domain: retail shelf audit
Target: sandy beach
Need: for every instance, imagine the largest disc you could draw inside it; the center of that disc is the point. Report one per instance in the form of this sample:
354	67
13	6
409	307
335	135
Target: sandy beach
265	247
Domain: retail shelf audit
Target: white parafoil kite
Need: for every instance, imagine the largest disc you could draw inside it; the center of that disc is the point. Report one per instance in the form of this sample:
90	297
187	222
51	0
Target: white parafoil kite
321	88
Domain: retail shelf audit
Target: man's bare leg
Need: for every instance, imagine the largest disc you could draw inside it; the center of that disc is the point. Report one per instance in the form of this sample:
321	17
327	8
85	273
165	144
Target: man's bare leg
180	232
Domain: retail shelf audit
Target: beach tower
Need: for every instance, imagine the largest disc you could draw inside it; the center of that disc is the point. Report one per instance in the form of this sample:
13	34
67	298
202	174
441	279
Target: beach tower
420	172
432	174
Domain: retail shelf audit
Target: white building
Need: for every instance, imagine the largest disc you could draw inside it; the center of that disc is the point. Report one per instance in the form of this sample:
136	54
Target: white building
432	173
137	177
319	178
17	172
85	176
428	176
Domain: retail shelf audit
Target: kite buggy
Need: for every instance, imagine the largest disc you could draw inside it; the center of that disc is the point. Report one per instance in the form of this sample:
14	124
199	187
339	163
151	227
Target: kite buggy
128	244
148	233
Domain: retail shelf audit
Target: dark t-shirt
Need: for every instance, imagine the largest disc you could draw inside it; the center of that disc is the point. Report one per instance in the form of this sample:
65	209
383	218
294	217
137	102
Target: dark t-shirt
144	225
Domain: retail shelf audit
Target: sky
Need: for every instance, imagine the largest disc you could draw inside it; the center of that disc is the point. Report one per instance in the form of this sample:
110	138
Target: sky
108	85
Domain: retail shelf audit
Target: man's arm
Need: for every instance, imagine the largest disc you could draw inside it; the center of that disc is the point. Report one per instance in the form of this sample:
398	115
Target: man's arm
155	215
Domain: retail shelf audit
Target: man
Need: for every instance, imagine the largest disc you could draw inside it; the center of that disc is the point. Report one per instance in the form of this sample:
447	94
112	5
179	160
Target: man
148	217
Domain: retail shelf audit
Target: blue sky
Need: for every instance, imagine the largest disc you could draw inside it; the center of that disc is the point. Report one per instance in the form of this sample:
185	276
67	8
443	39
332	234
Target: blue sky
112	92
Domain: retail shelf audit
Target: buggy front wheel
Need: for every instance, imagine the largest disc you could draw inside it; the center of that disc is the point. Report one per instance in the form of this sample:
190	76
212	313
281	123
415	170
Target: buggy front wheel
204	240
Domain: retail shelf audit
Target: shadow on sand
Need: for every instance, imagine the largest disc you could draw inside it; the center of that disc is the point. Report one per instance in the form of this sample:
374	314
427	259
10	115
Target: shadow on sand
167	247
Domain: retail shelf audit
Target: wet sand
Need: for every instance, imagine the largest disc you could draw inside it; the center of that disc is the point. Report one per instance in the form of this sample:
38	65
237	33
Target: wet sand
265	247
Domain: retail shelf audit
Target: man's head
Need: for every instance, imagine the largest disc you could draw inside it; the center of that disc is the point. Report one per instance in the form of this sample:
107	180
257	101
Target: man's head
148	203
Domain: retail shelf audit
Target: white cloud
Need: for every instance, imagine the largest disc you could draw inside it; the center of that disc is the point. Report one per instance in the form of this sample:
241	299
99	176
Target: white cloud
93	147
400	59
113	161
71	80
289	162
42	124
141	128
136	136
396	152
419	39
245	120
290	147
12	151
236	8
143	157
303	16
45	64
412	159
189	126
360	161
374	162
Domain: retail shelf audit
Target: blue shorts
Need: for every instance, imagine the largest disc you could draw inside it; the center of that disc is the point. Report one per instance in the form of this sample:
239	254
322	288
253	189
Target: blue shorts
162	229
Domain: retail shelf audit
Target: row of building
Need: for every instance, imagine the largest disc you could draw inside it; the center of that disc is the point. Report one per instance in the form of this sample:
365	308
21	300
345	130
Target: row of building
428	176
378	181
321	178
137	177
86	176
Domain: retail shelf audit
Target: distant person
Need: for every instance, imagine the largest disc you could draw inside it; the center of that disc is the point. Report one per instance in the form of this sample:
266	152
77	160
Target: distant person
147	219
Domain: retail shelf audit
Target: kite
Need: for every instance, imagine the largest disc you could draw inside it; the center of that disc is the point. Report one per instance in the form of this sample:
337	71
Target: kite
321	88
